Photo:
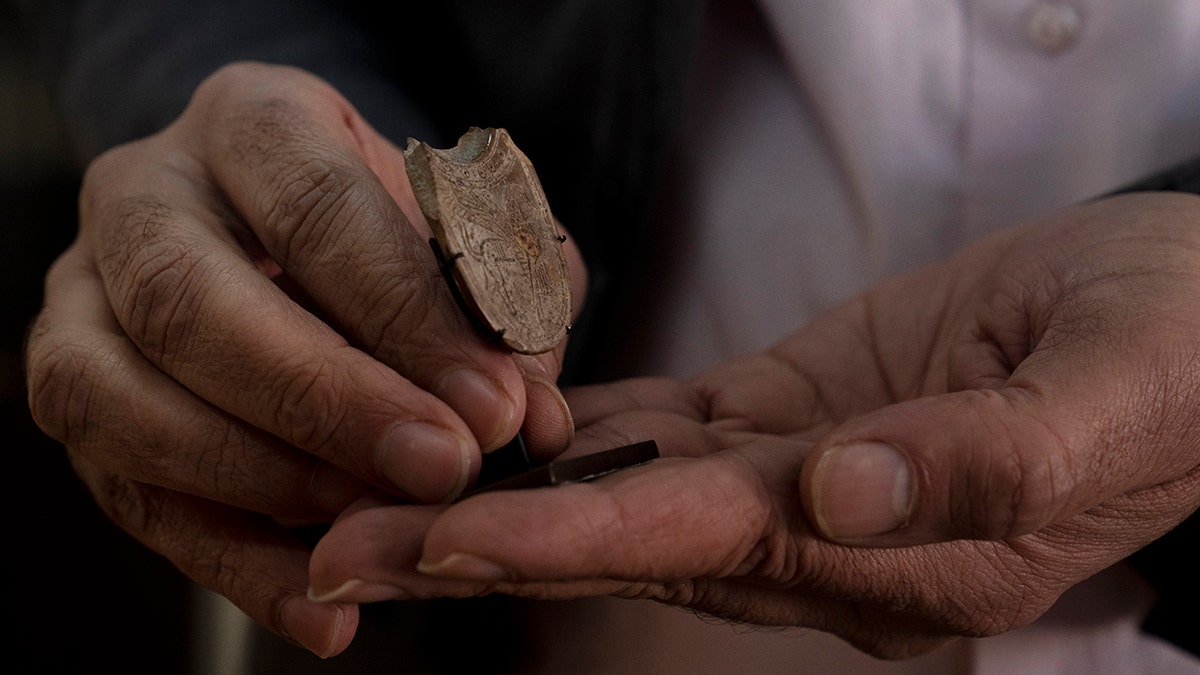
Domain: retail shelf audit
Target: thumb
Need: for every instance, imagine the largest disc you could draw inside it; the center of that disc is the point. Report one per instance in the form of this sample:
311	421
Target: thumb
976	464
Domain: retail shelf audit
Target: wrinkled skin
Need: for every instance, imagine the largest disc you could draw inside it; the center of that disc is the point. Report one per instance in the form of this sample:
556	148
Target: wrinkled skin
250	332
1041	389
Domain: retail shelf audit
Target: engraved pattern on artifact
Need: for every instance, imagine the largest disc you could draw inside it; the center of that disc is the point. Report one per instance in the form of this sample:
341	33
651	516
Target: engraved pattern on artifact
494	226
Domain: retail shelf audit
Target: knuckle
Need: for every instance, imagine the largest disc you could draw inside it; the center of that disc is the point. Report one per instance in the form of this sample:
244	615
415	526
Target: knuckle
310	187
1024	476
218	563
311	406
156	278
315	203
97	174
262	126
680	593
209	557
207	551
255	114
130	506
135	507
233	92
60	375
310	213
398	309
310	203
230	78
240	81
104	171
684	593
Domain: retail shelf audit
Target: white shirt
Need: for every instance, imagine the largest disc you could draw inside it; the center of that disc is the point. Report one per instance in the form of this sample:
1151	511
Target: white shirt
875	136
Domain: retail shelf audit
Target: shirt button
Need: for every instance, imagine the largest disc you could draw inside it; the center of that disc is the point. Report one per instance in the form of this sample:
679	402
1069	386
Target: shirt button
1053	27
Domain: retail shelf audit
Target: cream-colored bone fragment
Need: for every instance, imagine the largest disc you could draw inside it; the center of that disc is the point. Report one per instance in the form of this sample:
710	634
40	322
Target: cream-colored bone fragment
493	224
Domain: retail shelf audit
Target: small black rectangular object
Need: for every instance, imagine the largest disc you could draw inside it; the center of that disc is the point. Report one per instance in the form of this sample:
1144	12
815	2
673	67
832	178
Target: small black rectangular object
576	469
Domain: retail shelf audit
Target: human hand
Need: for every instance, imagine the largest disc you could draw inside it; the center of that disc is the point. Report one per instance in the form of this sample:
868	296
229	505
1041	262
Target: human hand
251	331
942	456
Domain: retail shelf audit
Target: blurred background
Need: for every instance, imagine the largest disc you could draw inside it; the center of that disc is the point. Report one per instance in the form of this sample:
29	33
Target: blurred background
81	594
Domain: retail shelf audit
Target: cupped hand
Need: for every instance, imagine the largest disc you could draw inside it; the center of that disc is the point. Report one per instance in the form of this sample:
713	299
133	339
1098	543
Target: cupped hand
942	456
251	331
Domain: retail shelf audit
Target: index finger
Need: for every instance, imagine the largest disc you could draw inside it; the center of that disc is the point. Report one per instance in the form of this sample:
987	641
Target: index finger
678	518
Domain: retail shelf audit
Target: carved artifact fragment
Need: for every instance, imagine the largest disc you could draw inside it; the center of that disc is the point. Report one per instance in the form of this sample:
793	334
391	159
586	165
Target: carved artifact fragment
501	251
497	240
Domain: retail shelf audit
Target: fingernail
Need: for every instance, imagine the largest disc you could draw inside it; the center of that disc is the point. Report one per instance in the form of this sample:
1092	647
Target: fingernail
465	566
547	417
861	490
321	629
482	404
359	591
426	462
